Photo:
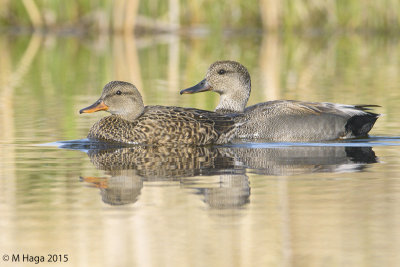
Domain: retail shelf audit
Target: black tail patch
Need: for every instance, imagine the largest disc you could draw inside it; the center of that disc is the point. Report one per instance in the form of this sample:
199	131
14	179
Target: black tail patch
360	125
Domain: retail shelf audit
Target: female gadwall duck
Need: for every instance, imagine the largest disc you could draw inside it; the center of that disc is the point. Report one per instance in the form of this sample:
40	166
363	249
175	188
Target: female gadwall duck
133	123
281	120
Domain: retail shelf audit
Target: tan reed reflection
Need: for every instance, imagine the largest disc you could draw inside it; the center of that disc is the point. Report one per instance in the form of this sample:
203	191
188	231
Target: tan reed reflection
124	15
270	66
173	63
9	79
271	14
125	64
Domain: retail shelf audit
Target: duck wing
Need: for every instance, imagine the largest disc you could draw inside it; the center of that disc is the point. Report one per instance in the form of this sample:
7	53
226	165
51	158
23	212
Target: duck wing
291	120
163	125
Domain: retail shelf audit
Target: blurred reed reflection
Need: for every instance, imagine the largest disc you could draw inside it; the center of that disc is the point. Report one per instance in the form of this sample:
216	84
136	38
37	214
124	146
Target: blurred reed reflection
129	167
49	75
300	218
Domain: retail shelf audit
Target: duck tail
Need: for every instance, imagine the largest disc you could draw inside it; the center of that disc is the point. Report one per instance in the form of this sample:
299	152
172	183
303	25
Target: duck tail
366	107
360	124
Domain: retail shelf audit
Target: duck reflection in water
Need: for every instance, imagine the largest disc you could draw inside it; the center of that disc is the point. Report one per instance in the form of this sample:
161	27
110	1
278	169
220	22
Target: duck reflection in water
294	160
129	167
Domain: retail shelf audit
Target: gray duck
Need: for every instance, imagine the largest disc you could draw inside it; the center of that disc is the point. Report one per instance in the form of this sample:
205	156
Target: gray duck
281	120
131	122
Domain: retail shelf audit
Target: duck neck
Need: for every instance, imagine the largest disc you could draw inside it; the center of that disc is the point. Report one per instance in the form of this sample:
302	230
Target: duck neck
228	105
234	102
132	115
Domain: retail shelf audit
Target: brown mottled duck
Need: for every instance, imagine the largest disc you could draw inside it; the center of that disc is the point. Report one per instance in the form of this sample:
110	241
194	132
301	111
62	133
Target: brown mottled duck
131	122
281	120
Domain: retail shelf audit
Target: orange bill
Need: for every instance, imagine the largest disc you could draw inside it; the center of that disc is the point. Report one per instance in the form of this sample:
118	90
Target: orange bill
99	182
97	106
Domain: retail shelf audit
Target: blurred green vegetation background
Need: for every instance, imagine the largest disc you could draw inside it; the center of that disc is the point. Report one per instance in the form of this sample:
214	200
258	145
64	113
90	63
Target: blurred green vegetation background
50	74
161	15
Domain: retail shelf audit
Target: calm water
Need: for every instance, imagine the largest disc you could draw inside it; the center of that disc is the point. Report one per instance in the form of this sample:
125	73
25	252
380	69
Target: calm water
244	204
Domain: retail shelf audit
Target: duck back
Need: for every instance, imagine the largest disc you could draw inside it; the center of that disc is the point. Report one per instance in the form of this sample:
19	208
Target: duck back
288	120
161	125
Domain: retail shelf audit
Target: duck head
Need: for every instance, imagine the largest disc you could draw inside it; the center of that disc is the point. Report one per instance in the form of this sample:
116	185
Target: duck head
230	80
119	98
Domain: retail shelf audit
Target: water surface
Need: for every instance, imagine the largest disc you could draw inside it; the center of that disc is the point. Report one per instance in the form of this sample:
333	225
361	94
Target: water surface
243	204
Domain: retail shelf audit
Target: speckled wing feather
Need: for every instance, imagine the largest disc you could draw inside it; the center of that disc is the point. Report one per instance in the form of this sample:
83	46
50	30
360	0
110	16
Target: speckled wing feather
293	107
287	120
167	125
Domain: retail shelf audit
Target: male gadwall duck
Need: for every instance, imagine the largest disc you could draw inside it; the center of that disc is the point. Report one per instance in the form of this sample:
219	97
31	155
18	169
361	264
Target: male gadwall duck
281	120
133	123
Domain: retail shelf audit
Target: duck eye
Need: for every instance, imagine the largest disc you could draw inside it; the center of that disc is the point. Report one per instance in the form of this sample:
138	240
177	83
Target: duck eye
118	92
221	71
